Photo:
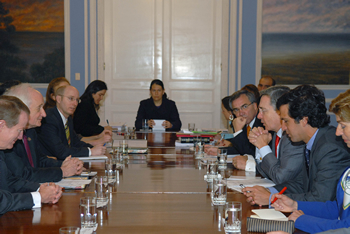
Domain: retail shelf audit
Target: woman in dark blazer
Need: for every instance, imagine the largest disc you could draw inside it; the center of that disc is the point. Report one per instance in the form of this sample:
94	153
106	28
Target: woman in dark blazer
158	106
86	120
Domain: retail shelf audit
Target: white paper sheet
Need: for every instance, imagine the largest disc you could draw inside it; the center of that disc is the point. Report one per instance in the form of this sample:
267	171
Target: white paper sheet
234	182
158	125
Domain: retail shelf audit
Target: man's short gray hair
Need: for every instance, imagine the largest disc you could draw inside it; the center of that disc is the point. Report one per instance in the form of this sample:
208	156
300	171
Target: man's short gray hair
21	91
239	93
274	92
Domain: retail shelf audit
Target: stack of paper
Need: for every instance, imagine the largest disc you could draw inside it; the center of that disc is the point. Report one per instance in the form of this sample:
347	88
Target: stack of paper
97	157
234	182
76	183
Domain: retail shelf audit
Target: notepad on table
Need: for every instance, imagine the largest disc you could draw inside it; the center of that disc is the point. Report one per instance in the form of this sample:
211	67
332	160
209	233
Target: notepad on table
270	214
73	183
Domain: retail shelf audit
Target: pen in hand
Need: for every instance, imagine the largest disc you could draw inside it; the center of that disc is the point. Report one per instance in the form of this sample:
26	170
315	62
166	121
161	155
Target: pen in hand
242	185
281	192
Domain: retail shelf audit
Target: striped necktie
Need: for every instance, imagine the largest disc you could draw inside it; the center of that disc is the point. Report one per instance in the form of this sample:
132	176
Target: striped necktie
67	132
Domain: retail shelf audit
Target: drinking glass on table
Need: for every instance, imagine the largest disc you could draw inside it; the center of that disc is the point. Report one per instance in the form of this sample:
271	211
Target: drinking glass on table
191	126
222	156
111	170
219	191
88	212
101	190
233	217
145	126
123	146
212	169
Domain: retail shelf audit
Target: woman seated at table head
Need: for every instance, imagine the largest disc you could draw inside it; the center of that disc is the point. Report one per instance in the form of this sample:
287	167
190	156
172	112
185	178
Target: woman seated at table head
322	216
51	89
86	120
158	106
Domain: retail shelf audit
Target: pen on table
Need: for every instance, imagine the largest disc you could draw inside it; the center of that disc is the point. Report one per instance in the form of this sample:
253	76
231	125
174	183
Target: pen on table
281	192
107	122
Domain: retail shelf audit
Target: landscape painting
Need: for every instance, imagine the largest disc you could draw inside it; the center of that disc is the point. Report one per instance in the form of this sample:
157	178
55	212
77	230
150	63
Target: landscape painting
306	41
31	40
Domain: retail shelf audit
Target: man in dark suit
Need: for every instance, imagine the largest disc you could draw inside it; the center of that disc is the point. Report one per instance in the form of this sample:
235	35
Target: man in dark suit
245	108
25	159
283	160
57	136
304	118
16	193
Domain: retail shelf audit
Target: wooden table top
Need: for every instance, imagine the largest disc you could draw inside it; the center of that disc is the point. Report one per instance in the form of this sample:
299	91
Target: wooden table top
161	192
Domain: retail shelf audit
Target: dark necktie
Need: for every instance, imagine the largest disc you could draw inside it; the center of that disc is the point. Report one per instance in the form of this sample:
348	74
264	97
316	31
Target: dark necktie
307	160
26	146
276	144
67	132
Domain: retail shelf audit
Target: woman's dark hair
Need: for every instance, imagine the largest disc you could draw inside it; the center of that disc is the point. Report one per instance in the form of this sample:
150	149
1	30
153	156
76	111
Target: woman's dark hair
306	101
160	83
93	87
226	103
51	90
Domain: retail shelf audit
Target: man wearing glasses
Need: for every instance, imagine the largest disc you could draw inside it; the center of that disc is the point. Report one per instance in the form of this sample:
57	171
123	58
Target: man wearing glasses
245	108
57	135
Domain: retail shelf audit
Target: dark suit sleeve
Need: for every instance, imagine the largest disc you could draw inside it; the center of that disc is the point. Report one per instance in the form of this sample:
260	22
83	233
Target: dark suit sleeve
241	144
15	201
86	120
330	161
289	164
174	117
50	137
40	175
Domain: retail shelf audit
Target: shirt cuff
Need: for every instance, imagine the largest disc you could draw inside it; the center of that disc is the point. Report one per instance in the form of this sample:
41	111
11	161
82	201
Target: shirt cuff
263	151
272	191
36	199
89	151
236	133
250	164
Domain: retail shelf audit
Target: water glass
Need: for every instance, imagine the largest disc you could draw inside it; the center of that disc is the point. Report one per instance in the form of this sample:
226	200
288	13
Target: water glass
101	190
145	125
233	217
123	147
222	156
111	170
219	191
199	151
88	212
191	127
212	169
69	230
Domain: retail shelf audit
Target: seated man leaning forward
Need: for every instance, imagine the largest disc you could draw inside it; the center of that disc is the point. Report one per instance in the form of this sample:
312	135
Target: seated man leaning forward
244	106
57	136
315	217
17	193
304	118
25	159
284	160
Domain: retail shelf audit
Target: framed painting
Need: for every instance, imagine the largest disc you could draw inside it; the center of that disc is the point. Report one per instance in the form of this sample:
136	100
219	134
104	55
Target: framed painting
306	41
31	40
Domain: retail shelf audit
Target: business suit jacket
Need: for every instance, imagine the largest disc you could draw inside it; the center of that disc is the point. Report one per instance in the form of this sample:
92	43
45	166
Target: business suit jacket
329	157
86	120
14	191
288	165
167	111
52	137
45	169
241	144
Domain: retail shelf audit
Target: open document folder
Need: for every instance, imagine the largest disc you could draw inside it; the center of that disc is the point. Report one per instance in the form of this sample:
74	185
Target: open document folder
234	182
270	214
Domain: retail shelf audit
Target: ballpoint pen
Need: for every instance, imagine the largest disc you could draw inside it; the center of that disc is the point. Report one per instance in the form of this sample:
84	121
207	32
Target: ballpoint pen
281	192
242	186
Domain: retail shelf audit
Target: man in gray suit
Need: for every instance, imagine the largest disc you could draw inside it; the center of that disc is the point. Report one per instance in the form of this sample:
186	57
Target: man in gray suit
283	160
304	118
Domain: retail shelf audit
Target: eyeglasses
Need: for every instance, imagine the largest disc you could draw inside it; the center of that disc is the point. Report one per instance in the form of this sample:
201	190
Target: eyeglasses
242	108
71	99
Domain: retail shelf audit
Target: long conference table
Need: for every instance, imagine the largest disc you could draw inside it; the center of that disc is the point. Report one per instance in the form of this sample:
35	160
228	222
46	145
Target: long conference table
159	192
